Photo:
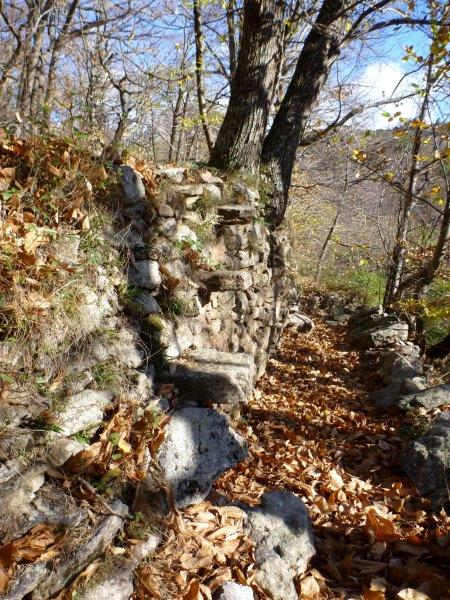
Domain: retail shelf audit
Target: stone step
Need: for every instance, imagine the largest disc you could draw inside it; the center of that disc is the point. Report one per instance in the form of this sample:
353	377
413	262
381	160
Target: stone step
208	377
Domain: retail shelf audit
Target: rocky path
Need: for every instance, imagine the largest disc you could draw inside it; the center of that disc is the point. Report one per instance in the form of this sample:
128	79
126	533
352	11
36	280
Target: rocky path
311	430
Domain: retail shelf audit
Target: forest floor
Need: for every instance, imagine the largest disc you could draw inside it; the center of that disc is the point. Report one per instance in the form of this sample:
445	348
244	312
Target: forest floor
312	430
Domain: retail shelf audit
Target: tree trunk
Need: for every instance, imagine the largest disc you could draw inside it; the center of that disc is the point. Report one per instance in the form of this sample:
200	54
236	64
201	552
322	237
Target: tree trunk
181	130
32	54
240	138
175	123
420	280
56	51
319	51
199	73
324	248
396	267
231	37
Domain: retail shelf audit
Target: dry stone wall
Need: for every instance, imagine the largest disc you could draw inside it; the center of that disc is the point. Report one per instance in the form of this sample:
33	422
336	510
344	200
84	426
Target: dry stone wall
202	299
208	266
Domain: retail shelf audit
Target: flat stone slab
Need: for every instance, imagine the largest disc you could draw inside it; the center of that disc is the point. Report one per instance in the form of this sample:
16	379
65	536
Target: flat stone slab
370	329
223	281
111	582
300	322
173	174
199	445
427	461
433	397
211	377
80	556
234	214
81	411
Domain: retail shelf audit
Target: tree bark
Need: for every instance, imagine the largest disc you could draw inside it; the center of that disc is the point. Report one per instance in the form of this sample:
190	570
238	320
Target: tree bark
321	47
231	37
240	139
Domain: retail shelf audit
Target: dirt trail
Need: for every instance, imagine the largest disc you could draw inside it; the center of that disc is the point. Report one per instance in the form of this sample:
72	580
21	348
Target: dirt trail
312	430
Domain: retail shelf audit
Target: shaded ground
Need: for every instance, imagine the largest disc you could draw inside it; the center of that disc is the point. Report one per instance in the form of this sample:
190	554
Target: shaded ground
311	430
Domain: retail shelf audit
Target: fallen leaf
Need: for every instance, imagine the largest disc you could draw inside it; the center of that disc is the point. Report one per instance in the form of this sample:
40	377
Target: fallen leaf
380	526
412	594
310	589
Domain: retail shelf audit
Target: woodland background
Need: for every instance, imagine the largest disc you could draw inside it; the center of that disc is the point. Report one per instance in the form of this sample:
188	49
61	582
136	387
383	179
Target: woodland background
369	193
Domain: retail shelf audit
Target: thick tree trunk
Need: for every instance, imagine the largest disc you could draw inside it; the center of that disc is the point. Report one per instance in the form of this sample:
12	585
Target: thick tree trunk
240	138
320	49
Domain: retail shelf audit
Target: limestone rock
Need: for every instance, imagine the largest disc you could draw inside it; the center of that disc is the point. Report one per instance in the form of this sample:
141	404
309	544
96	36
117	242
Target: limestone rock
300	322
111	582
232	214
213	193
132	184
189	189
208	177
208	376
427	461
183	233
374	330
433	397
26	578
173	174
398	365
174	337
21	404
121	346
27	500
282	533
220	281
144	304
92	308
81	411
145	274
412	392
243	193
234	591
60	450
198	446
65	249
82	554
